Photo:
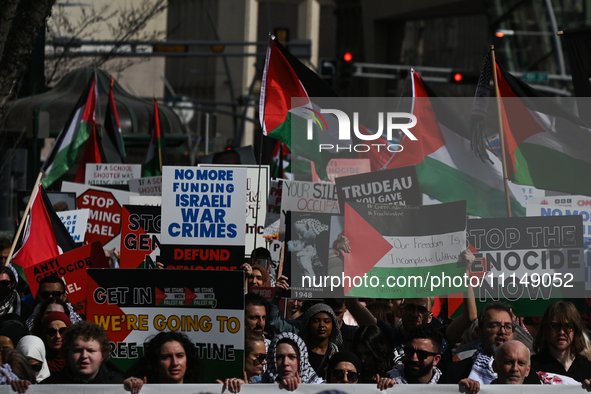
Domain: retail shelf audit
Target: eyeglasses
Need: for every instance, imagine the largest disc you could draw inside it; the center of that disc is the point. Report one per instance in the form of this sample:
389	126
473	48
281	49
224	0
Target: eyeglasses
339	374
412	308
509	327
567	327
5	283
421	354
261	357
47	294
53	331
37	367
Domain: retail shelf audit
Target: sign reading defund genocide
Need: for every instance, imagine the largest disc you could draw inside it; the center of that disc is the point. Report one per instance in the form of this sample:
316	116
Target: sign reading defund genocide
404	251
208	306
203	217
531	257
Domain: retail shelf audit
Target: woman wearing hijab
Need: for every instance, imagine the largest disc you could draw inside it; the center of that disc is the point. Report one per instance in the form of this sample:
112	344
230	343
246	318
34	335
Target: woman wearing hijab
259	277
34	349
322	335
287	362
55	326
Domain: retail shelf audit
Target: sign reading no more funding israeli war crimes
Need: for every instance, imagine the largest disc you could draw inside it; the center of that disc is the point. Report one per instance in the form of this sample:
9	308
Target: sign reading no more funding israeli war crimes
208	306
203	217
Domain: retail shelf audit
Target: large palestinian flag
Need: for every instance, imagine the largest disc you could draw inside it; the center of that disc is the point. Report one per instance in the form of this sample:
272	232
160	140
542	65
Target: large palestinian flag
546	146
286	104
74	134
446	167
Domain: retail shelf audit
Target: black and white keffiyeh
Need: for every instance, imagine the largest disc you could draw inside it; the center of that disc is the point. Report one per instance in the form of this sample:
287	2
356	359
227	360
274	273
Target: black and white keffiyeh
482	369
397	373
306	372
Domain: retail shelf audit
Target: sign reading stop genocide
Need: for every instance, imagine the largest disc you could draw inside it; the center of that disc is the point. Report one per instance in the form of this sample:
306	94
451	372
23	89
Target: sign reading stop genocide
104	221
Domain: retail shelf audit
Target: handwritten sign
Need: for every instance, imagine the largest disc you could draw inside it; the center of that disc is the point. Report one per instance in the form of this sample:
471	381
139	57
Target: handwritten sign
149	186
111	174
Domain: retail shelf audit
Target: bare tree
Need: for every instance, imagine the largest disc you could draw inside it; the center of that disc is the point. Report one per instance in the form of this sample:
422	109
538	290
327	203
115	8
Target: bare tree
123	25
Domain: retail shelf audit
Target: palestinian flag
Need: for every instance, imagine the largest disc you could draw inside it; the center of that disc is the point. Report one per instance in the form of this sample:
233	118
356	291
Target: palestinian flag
92	154
446	167
286	104
153	163
44	235
74	134
546	146
112	127
281	162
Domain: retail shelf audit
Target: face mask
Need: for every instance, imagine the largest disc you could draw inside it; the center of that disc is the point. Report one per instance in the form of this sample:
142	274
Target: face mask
5	292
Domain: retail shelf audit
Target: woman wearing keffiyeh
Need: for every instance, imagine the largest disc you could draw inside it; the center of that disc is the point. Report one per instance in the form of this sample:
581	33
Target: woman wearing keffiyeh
287	362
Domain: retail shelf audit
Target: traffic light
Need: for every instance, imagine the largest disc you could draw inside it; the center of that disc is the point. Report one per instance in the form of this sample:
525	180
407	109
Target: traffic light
464	77
345	70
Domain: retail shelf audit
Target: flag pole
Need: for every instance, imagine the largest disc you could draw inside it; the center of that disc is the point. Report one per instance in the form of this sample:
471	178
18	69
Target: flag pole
501	132
157	115
23	220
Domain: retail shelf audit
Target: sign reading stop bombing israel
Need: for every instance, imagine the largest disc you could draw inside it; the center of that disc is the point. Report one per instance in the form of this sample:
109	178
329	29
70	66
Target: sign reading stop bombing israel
203	217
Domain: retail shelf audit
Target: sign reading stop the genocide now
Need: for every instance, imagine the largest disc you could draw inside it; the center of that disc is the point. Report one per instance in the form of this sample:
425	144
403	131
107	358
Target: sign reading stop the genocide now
104	222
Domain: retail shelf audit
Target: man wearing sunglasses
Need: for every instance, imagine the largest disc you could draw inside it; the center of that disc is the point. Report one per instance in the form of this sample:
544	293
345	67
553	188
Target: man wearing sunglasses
52	286
495	327
421	356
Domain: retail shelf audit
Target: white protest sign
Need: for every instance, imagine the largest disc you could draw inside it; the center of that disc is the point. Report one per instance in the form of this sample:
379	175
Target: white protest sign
145	200
150	186
75	222
299	196
111	174
567	206
203	205
256	205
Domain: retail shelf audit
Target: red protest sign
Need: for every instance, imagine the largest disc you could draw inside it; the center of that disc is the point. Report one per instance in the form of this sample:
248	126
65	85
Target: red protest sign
71	268
140	236
104	222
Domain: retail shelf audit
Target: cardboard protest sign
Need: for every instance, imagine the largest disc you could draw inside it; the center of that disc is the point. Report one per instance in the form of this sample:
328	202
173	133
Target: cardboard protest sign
203	217
531	257
140	236
208	306
567	206
403	251
104	221
398	186
149	186
300	196
257	190
71	268
75	222
111	174
343	167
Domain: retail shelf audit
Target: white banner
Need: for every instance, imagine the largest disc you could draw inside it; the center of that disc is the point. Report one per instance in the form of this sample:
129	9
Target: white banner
111	174
302	389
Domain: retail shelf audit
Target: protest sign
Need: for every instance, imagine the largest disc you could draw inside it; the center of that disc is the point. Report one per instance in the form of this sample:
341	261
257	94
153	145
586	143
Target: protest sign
267	292
343	167
208	306
273	217
203	217
111	174
146	200
149	186
257	190
298	196
75	222
404	251
104	221
306	254
71	268
398	186
140	236
528	257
